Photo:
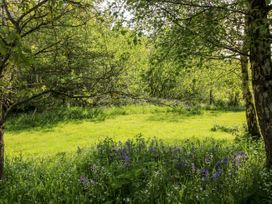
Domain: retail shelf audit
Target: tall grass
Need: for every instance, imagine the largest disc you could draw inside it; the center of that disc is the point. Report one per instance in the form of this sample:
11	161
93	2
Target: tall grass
142	171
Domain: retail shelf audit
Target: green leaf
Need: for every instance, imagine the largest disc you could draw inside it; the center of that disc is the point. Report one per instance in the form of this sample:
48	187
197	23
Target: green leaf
3	49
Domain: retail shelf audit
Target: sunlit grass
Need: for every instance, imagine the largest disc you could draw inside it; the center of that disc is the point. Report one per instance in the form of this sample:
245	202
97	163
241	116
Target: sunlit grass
125	122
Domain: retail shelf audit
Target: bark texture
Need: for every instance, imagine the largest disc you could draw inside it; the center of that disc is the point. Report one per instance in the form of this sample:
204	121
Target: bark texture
251	118
1	151
211	97
260	60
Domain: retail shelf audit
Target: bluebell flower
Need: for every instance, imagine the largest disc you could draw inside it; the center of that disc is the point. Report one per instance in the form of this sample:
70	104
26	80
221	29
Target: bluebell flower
217	164
126	158
217	174
82	179
225	161
204	173
242	153
125	155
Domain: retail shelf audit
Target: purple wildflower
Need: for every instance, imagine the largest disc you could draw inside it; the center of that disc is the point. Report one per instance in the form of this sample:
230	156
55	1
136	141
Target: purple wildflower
217	174
125	156
225	161
242	153
205	174
83	179
85	182
217	164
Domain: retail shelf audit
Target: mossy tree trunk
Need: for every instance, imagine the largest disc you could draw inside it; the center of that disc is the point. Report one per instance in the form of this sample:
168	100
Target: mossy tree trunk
1	151
251	118
261	65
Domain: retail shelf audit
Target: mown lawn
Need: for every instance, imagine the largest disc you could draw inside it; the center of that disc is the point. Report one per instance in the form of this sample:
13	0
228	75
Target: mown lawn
123	123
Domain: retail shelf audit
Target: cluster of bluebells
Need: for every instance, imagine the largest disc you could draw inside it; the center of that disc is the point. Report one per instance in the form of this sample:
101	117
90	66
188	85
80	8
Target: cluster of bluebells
184	160
128	151
110	151
220	166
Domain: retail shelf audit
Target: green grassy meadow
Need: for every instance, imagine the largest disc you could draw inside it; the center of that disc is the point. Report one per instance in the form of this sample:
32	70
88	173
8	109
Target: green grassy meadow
110	155
172	126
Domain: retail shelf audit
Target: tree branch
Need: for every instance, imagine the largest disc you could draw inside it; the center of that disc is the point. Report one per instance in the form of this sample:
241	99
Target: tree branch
32	9
13	21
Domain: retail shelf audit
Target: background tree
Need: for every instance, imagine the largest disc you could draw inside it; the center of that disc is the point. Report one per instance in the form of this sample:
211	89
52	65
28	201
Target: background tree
191	78
66	53
210	29
229	39
19	21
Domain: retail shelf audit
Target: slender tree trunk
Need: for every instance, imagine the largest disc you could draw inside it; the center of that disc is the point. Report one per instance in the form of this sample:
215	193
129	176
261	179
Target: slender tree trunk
261	65
1	151
251	118
211	97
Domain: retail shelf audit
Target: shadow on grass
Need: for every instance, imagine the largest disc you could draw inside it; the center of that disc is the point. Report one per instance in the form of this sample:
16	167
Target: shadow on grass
176	114
48	120
168	117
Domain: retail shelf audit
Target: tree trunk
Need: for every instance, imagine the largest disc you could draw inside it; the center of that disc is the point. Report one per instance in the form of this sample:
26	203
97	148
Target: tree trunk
251	118
1	151
260	60
211	97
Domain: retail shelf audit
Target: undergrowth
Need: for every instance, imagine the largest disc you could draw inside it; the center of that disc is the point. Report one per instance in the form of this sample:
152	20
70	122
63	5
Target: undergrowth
142	171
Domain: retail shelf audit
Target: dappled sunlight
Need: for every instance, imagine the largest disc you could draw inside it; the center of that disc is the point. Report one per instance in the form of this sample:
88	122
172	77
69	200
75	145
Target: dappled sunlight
67	136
